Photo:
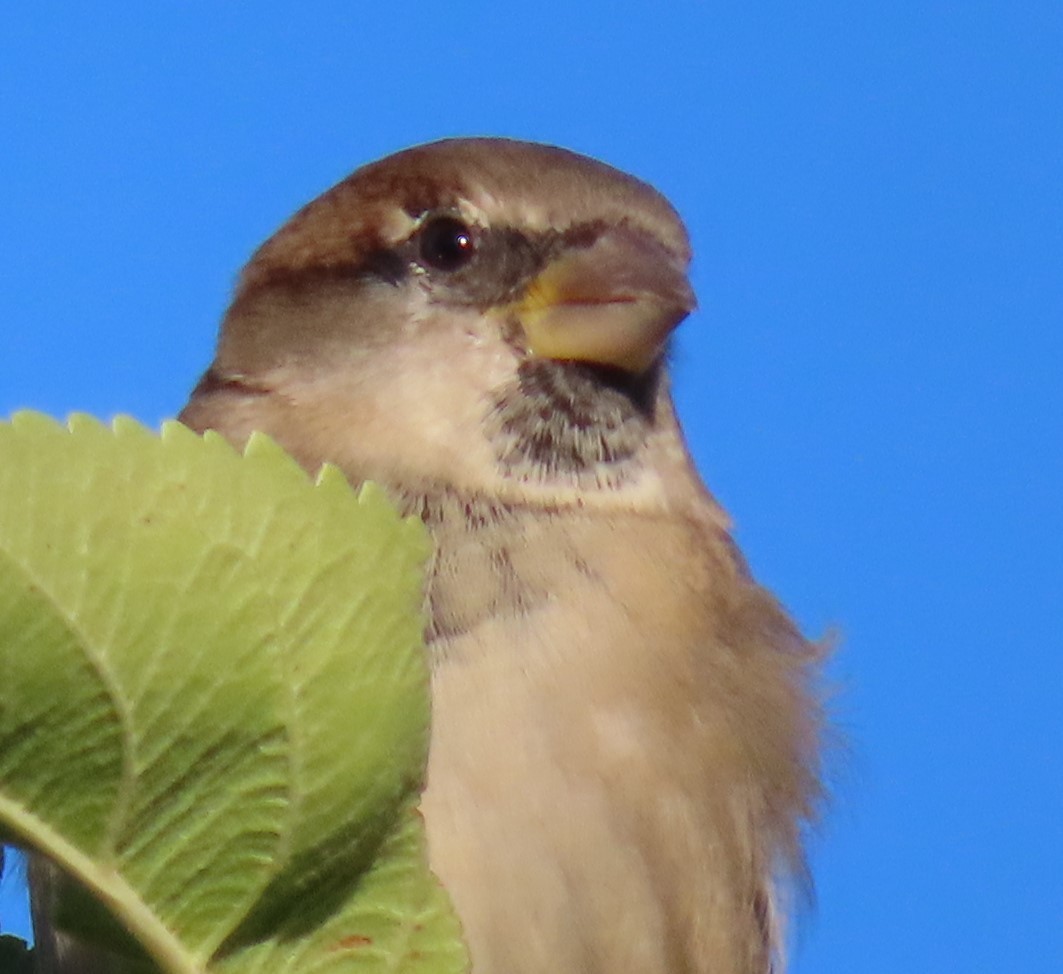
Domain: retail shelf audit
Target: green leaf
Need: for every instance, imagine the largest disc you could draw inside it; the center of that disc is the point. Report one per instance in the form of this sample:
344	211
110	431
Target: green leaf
213	698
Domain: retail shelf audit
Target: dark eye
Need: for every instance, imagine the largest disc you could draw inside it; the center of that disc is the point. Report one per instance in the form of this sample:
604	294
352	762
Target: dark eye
446	243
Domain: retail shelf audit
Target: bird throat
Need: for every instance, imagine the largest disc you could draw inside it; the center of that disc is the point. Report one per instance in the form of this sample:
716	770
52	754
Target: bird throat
572	423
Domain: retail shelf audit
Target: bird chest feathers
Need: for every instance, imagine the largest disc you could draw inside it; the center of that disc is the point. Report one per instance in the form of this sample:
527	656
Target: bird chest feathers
602	768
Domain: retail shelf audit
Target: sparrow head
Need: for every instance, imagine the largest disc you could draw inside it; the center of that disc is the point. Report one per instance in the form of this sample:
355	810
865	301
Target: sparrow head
483	313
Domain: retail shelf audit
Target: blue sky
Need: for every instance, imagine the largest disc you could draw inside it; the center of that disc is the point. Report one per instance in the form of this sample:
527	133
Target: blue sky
872	385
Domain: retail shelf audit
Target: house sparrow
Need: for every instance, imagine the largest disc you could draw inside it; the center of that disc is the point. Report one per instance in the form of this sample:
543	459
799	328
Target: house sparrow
624	741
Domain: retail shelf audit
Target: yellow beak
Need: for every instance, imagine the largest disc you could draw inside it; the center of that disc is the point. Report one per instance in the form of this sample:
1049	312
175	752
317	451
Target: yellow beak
612	303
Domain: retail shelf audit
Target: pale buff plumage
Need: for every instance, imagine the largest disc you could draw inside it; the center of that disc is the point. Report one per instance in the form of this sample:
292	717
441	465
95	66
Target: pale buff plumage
624	744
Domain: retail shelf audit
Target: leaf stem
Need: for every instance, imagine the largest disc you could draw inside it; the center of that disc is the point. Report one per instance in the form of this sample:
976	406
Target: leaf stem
108	885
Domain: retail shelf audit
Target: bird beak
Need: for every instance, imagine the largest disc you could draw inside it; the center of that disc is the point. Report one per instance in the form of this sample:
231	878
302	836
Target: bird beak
611	303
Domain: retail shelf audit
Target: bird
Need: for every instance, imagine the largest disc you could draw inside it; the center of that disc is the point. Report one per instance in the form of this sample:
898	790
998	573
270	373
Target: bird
626	734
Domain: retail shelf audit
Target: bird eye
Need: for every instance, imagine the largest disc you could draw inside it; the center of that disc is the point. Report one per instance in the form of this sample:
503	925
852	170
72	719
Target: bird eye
446	243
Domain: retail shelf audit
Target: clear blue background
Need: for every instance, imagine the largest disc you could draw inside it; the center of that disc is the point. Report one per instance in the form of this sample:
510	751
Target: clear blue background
872	385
